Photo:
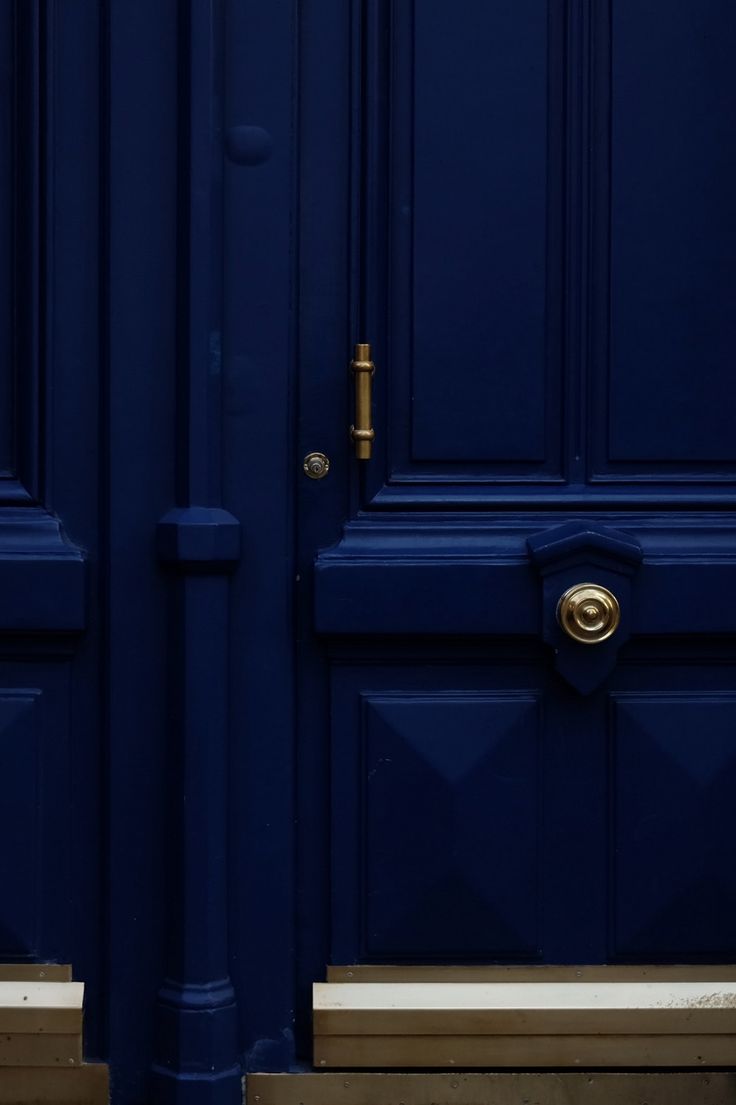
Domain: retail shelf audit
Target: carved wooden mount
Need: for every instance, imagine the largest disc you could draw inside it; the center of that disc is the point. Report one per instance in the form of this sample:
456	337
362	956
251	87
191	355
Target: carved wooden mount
584	553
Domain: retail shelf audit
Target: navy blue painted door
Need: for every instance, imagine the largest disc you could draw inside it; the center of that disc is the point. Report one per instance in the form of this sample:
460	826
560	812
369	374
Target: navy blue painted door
529	210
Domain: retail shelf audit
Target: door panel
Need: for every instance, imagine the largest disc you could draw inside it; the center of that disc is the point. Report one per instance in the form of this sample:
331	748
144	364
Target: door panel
531	274
434	779
542	252
22	865
455	837
462	213
444	778
38	870
673	241
6	234
673	771
475	302
484	813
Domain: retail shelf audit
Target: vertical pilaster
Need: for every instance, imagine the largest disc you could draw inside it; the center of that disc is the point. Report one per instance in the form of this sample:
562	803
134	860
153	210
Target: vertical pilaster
197	1050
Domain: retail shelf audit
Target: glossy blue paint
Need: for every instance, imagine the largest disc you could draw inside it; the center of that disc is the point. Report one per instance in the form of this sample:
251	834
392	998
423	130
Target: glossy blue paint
253	723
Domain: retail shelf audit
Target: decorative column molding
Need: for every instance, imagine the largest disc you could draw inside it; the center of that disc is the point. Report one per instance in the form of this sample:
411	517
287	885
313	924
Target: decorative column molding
197	1048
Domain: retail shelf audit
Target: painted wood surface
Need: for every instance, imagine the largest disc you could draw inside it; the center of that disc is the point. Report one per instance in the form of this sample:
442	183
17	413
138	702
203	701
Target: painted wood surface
251	723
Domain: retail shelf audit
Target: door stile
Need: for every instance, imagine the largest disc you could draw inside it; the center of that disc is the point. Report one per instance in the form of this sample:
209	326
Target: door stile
329	105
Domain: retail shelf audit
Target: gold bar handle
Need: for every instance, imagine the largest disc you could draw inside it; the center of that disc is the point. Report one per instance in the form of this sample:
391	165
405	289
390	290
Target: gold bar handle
362	432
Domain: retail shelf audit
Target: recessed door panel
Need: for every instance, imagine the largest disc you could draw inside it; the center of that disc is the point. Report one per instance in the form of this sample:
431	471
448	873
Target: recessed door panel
479	232
546	267
462	263
7	352
672	241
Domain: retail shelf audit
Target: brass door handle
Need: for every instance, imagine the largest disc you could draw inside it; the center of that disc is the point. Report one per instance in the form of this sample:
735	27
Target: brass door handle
362	432
589	613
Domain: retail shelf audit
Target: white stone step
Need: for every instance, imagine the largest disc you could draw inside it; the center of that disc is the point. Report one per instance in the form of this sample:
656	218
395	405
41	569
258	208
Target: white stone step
525	1024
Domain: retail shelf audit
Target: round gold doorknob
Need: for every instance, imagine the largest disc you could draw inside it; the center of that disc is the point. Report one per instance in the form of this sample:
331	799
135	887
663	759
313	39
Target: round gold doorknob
589	613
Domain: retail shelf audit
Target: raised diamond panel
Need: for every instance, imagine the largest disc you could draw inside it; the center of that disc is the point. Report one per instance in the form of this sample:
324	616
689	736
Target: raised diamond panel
20	866
674	825
450	796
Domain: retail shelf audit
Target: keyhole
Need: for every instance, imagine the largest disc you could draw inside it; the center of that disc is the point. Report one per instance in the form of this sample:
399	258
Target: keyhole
316	465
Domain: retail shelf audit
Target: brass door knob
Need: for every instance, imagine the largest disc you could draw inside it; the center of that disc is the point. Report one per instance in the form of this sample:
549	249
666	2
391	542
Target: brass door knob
589	613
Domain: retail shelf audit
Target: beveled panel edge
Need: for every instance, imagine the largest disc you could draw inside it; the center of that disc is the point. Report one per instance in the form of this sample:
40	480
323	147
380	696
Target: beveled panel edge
477	1088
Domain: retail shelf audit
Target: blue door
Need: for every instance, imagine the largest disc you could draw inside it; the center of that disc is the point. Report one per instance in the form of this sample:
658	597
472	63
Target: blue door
529	211
266	704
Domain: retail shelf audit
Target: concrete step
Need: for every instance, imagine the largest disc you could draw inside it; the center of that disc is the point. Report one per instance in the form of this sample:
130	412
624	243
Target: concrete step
41	1039
41	1007
85	1085
463	1088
